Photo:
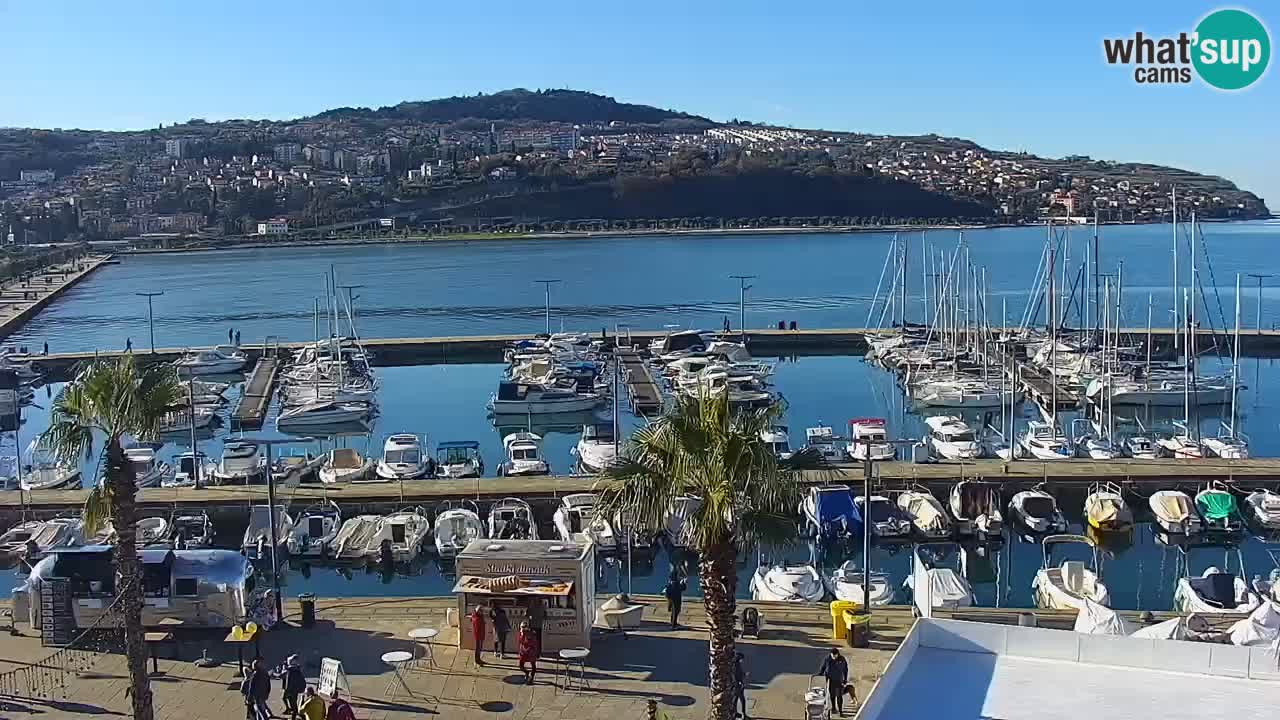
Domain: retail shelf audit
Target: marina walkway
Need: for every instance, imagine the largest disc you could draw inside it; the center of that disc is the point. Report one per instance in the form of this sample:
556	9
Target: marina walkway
257	395
20	301
646	398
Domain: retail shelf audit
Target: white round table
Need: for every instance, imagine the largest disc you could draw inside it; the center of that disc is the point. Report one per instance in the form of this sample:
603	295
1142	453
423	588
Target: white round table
396	659
423	637
571	657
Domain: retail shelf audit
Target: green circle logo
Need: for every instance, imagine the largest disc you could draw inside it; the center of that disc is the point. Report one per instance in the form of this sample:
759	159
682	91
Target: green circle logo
1232	49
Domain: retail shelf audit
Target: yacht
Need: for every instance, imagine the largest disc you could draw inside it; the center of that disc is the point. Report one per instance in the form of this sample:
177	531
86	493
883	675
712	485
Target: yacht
512	519
47	473
868	440
596	449
830	515
455	527
403	459
824	440
1036	512
576	521
1216	592
846	581
1070	585
888	522
323	413
1106	510
1044	441
787	583
950	438
256	544
242	463
1263	508
215	361
343	465
777	438
315	530
518	398
524	455
1174	512
1217	506
148	470
459	459
976	507
927	515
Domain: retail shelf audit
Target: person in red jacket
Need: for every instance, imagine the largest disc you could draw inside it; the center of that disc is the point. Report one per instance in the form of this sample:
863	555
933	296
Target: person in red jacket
477	632
529	650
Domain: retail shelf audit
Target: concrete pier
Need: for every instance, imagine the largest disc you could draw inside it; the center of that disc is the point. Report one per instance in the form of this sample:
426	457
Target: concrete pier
19	302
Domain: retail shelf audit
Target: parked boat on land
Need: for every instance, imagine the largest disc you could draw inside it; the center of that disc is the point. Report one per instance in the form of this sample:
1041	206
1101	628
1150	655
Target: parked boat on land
787	583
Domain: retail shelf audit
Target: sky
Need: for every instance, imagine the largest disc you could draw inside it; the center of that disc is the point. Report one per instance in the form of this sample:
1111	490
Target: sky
1008	75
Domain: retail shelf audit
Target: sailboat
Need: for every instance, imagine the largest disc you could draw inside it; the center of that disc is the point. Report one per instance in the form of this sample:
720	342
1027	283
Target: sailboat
1231	445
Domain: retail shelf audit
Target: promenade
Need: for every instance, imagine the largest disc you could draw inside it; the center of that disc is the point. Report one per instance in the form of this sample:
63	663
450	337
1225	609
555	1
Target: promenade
20	301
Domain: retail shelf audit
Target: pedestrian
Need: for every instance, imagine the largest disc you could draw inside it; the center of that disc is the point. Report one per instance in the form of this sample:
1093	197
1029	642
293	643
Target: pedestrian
501	628
477	632
294	682
674	592
740	682
528	648
312	705
46	347
238	336
128	344
836	670
256	688
726	323
231	335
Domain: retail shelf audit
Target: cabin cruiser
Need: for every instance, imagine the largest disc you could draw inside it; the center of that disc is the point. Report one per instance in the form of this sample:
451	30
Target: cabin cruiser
152	530
1217	507
315	529
887	520
455	527
215	361
680	521
787	583
518	398
976	508
33	539
679	344
947	588
1216	592
950	438
576	521
323	413
868	440
459	459
1105	508
824	440
1068	586
47	473
1174	512
403	459
959	394
344	465
191	532
148	470
1140	447
1263	507
242	463
597	449
829	514
928	517
1037	512
778	439
524	455
845	584
256	544
1227	447
512	519
1044	441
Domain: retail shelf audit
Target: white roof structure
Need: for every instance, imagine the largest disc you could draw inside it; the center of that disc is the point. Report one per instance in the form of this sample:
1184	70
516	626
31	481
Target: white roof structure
948	669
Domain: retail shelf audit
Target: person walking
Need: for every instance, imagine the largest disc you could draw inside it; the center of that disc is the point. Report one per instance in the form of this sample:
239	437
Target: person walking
836	670
231	335
477	632
312	705
501	628
740	682
294	683
256	688
128	344
528	648
238	337
674	592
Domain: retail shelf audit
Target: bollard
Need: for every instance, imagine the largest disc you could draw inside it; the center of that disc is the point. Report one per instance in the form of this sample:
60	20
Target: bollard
308	603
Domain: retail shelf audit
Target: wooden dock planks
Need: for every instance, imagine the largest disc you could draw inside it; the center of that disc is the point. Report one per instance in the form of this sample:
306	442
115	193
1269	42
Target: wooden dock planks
257	394
646	397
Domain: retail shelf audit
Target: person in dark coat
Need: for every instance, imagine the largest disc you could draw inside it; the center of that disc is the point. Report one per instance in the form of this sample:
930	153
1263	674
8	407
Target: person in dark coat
501	628
256	688
294	682
674	593
477	632
836	670
740	682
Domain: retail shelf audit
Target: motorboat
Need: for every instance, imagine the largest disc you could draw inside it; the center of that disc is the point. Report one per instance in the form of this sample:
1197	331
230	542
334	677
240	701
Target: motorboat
887	520
950	438
1069	585
323	413
960	394
830	515
315	530
33	539
787	583
191	531
1174	512
524	455
181	421
976	509
403	459
947	587
778	439
1096	447
1218	509
1263	509
681	527
357	539
512	519
868	439
597	449
148	470
533	399
152	530
187	466
256	544
242	463
293	468
406	530
827	444
47	473
1140	447
219	360
576	521
1036	512
928	517
846	581
455	527
343	465
1227	447
1180	444
1216	592
1044	441
459	459
1105	508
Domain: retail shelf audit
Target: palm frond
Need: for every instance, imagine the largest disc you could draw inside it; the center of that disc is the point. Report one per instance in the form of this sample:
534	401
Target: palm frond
98	506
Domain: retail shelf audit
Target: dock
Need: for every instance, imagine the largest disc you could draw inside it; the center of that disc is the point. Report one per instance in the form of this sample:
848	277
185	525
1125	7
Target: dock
20	301
646	398
257	395
1037	384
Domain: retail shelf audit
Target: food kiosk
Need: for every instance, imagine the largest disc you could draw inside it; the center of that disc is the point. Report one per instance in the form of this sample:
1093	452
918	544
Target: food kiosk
549	583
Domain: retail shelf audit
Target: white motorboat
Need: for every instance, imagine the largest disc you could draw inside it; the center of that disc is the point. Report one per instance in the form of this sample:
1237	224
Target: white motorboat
181	421
1227	447
403	459
148	470
315	530
829	513
191	531
1181	444
1037	512
1174	512
947	588
242	462
455	527
518	398
1216	592
214	361
680	521
343	465
778	439
824	440
358	538
1044	441
459	459
1069	585
1106	510
406	530
959	394
869	439
1263	509
976	509
34	539
46	473
323	413
928	517
1096	447
597	449
950	438
512	519
524	455
887	520
576	521
845	584
291	469
256	544
1140	447
152	530
787	583
1164	391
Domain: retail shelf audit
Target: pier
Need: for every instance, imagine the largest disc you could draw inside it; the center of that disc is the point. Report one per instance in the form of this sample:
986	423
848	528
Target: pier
20	301
257	394
646	398
1039	386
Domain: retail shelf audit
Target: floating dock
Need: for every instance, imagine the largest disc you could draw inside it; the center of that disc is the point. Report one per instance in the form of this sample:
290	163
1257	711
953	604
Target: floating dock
1037	384
646	398
257	395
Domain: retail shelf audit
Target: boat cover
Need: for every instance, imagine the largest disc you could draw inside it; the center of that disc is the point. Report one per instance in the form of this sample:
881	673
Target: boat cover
926	510
1104	508
1038	506
1174	507
1098	619
1173	629
975	500
837	505
1262	627
947	586
1216	505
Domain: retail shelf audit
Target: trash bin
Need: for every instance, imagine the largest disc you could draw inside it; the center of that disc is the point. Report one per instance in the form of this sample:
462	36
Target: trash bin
859	633
839	626
308	603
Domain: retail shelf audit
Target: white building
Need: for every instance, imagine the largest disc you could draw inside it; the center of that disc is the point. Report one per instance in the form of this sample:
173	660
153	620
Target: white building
274	226
36	176
178	148
287	153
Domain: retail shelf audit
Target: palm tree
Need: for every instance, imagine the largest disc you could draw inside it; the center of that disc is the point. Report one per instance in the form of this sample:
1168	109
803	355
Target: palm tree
108	400
749	497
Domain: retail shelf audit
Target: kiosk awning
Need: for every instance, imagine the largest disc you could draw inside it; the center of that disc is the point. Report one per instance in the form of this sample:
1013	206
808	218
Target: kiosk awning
512	585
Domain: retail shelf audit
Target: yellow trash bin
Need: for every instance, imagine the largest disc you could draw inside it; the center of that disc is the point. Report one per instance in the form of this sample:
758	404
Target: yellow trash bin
840	626
859	628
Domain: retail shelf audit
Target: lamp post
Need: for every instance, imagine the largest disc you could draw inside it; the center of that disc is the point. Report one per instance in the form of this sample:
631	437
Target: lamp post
267	443
151	320
868	471
546	286
743	287
1260	277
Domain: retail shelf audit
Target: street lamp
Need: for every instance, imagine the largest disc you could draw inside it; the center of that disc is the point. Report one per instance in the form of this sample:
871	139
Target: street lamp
1260	277
151	319
743	287
267	443
546	285
868	471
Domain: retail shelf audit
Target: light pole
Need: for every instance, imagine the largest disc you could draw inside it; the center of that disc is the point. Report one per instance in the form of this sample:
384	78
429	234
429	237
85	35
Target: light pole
267	444
546	286
151	319
1260	277
743	287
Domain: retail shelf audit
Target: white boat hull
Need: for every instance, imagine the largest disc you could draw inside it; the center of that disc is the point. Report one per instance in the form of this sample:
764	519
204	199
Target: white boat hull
545	407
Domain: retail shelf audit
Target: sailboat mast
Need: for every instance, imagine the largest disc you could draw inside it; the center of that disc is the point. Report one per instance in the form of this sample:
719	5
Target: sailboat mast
924	281
1174	284
1235	361
905	247
1150	308
1052	310
1097	307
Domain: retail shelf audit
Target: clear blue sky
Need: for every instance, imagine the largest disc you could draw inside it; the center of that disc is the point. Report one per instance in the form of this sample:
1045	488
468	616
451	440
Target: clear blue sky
1010	75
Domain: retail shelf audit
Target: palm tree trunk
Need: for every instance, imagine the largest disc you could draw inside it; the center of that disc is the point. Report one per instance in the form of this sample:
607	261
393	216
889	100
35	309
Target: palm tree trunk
719	576
124	520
